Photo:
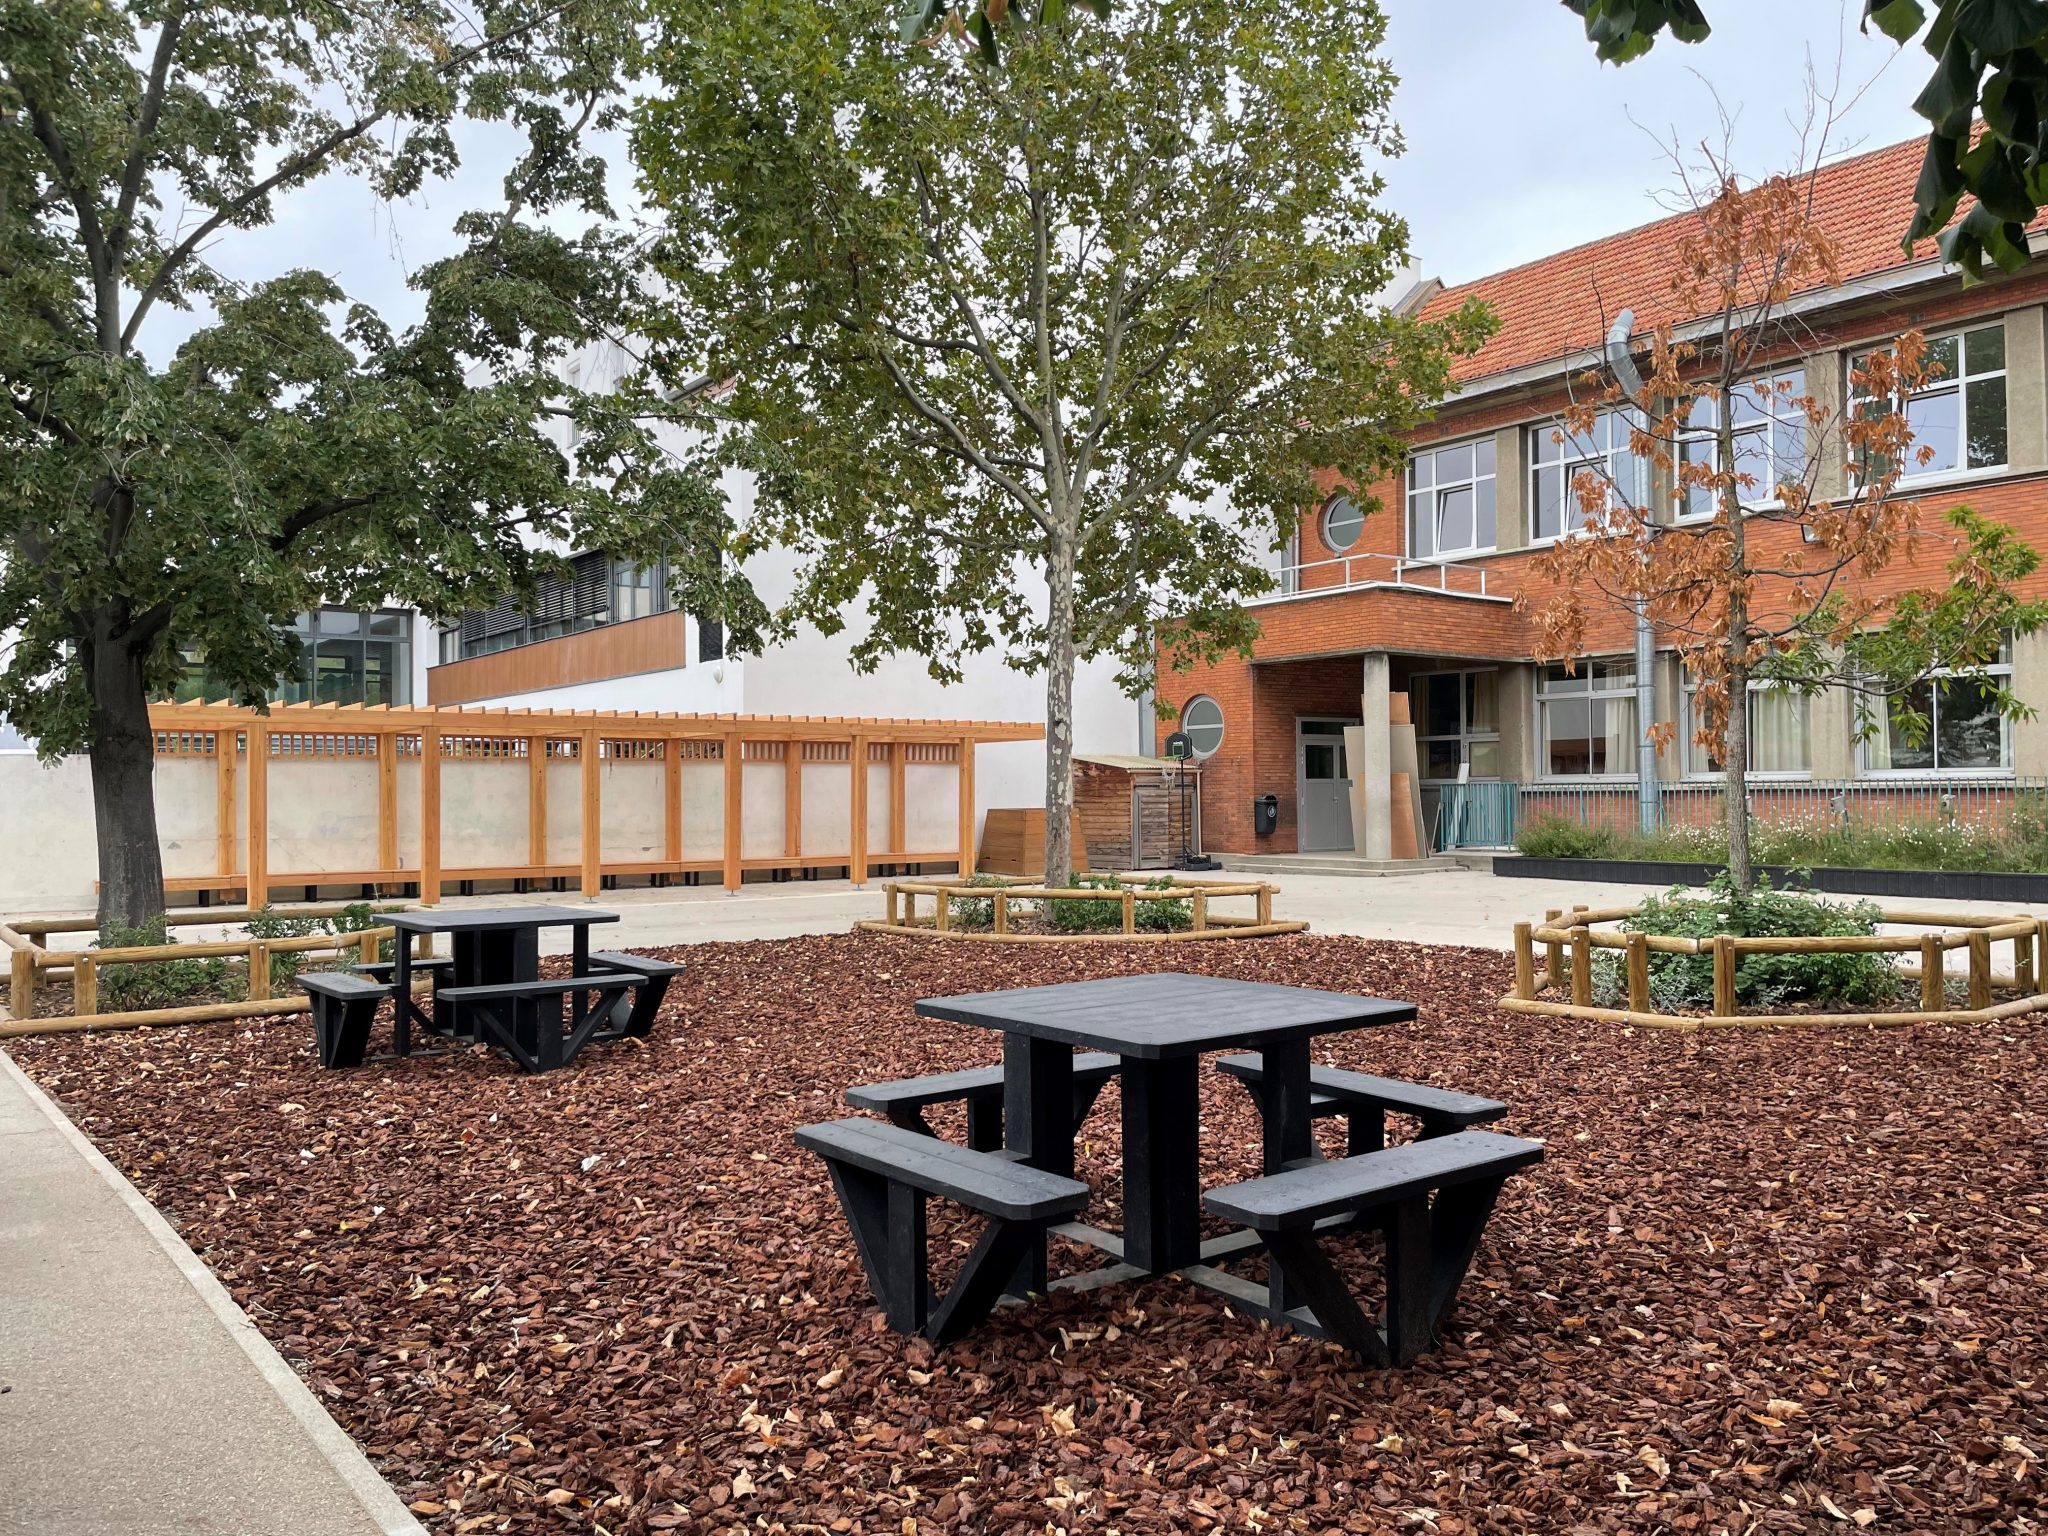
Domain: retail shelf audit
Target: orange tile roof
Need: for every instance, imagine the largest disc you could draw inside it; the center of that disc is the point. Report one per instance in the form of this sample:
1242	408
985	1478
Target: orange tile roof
1553	308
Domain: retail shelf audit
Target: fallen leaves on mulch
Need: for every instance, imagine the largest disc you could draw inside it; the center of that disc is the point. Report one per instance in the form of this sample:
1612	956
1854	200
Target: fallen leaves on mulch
1764	1282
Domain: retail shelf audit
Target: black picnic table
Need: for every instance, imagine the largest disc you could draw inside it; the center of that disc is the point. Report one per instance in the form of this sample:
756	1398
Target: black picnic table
1160	1025
492	946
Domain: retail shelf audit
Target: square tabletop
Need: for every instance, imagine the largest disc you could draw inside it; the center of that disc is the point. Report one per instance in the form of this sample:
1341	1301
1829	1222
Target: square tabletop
1167	1013
476	919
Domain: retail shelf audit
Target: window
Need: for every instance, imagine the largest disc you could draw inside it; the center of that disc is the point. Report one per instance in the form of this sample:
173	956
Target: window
1557	457
1960	414
1778	735
1342	523
1450	501
1587	721
1457	723
1202	718
345	657
1770	440
711	639
1966	733
595	590
637	590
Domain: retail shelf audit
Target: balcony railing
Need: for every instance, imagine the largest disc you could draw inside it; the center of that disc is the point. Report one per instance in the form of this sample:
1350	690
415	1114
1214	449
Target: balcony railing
1453	578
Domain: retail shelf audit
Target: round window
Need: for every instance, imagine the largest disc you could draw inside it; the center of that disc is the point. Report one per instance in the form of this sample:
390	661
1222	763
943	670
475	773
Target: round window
1342	522
1202	718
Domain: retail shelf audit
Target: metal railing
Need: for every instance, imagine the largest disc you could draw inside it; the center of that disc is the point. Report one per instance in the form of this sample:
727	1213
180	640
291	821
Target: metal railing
1489	815
1453	578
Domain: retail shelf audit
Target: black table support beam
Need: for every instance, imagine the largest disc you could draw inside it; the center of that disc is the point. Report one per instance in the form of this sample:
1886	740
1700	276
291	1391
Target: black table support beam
1162	1161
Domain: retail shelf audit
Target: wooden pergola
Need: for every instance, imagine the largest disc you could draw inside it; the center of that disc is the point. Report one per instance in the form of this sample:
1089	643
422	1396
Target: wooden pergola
243	744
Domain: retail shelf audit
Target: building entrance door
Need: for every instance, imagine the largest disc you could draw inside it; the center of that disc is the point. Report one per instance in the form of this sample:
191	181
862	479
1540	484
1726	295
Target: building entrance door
1322	786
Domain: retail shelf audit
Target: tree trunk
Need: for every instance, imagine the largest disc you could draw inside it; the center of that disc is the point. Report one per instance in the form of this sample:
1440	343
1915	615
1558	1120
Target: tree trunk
1735	753
123	756
1059	712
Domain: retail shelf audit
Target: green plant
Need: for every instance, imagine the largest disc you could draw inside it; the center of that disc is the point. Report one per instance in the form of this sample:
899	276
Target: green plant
1164	916
167	983
1556	836
1681	981
1074	915
976	914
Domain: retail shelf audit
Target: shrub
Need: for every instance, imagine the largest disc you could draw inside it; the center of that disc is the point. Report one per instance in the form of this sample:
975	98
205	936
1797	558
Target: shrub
976	913
1164	916
1072	916
167	983
1556	836
1680	981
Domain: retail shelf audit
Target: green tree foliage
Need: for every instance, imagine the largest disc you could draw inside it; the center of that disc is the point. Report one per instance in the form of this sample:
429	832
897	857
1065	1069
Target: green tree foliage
1991	63
295	447
989	323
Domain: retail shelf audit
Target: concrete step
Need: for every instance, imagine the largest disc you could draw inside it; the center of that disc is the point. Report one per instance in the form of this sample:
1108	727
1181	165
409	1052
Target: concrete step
1333	864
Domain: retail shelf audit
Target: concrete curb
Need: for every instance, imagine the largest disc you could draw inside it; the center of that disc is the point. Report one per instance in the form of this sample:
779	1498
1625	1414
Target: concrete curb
384	1508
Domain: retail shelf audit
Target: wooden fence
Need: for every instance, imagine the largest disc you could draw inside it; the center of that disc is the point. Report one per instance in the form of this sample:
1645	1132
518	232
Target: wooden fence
789	779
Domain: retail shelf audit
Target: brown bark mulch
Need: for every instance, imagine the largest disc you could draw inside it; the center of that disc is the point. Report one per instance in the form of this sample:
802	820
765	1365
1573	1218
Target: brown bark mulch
1763	1282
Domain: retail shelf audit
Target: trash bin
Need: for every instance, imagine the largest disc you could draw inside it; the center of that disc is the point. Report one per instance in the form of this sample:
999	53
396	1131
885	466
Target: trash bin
1265	815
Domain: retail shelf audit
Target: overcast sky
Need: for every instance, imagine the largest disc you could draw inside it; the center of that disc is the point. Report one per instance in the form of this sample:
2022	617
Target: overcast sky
1519	142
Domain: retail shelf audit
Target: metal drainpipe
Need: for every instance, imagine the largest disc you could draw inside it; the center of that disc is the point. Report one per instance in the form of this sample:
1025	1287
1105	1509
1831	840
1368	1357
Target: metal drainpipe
1646	750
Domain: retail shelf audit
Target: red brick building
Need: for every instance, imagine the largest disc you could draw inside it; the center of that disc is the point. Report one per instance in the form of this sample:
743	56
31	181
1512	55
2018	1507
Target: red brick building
1409	586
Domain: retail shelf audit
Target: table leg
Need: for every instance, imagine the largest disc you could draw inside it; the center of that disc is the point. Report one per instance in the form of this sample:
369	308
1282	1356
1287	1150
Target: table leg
1162	1163
1038	1123
579	963
1290	1136
401	996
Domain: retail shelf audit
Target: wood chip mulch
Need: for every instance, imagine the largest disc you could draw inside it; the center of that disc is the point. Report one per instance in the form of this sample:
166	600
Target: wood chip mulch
1764	1282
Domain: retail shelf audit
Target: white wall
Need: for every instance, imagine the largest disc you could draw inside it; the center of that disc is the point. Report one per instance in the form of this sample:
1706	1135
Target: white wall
49	855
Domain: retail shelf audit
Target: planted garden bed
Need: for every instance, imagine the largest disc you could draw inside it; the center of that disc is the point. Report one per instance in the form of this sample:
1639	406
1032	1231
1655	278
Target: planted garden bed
1907	884
1118	907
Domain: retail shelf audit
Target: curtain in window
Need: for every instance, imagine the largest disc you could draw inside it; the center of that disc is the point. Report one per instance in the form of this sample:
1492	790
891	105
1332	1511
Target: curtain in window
1620	717
1777	731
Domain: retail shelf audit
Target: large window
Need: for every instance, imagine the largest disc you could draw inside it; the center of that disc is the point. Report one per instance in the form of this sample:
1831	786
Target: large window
345	657
1558	456
1586	720
1457	723
1779	740
1450	501
1966	733
1769	427
596	590
1959	417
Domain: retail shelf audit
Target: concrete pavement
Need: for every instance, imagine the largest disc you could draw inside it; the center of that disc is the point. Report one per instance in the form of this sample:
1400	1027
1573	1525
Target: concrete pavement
136	1398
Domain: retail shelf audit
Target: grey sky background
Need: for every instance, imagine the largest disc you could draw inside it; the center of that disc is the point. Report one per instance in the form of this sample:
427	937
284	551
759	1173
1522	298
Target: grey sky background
1519	142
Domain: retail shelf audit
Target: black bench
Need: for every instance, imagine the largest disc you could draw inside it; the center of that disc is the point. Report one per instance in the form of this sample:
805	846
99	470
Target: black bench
905	1101
1429	1244
638	1021
531	1019
440	967
884	1174
1365	1101
343	1007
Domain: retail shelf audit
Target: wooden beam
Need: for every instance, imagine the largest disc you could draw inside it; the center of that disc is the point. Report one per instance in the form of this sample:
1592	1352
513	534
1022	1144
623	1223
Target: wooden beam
224	753
592	845
731	828
965	779
387	800
257	793
792	799
430	814
537	800
857	850
899	838
672	799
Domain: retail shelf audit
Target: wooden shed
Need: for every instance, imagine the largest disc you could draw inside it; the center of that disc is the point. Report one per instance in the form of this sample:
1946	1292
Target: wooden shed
1132	809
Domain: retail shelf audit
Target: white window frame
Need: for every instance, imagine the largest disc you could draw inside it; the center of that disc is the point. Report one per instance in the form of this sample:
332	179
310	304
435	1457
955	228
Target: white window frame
1949	383
1552	445
1430	498
1770	409
1323	522
1585	682
2001	668
1222	725
1694	765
